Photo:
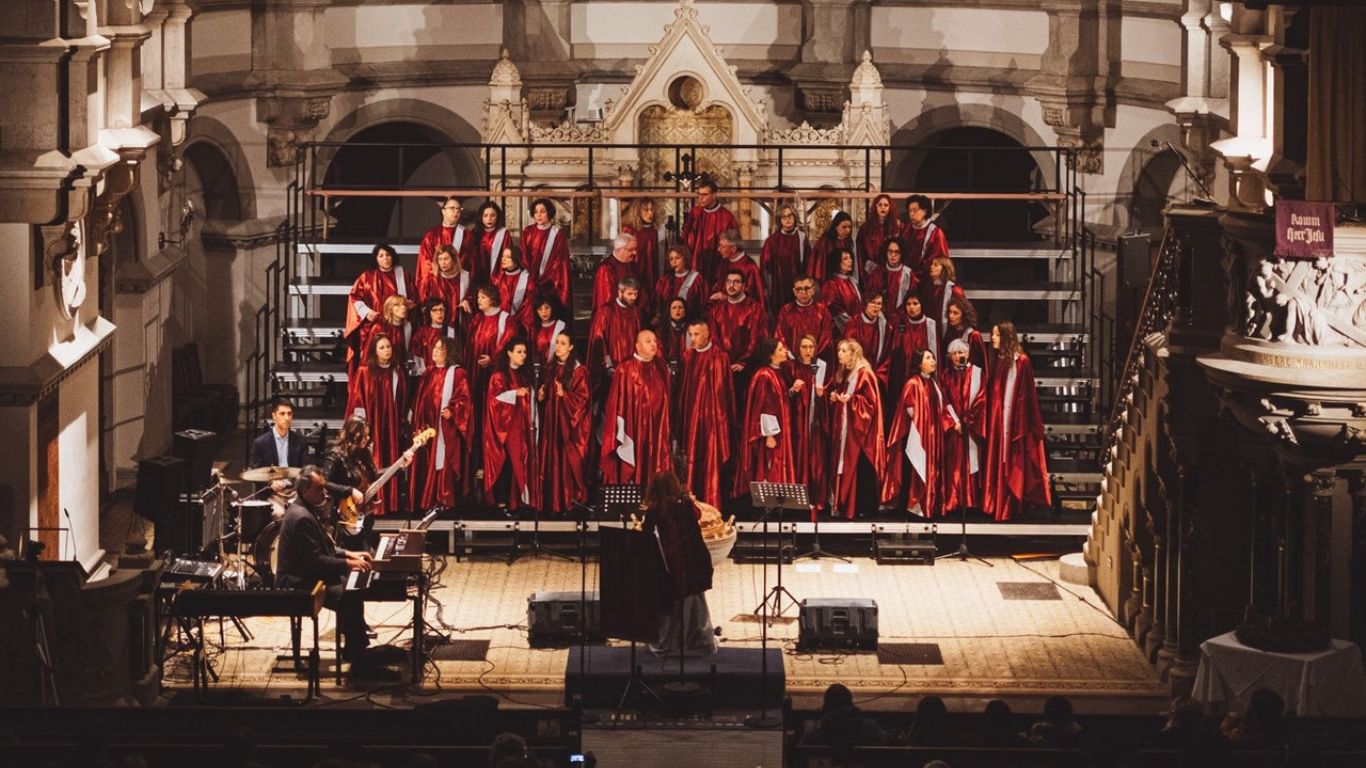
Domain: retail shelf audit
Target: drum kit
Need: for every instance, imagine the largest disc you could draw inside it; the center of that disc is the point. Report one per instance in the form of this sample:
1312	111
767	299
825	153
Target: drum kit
253	523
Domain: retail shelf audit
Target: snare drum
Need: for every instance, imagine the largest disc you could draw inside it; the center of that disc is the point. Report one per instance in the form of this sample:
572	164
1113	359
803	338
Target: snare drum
252	516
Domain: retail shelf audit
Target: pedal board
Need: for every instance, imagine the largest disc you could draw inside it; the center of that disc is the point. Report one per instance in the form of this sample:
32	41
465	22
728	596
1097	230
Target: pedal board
909	550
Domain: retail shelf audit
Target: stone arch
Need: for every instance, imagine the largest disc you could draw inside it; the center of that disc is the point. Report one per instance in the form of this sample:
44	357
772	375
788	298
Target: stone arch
212	135
451	127
925	125
1147	179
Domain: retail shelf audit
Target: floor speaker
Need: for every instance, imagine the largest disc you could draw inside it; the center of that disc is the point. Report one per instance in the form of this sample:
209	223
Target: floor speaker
161	480
837	623
553	618
195	447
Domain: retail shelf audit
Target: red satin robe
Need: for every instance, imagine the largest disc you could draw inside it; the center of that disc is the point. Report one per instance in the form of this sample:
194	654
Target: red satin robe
565	420
380	396
915	461
543	341
912	335
855	434
702	231
965	390
432	241
509	420
400	336
823	263
651	243
452	290
923	245
517	295
611	340
843	298
1017	470
754	281
876	339
737	326
420	346
689	286
488	335
440	474
796	321
673	339
766	415
786	256
977	346
706	411
609	271
810	438
894	285
936	304
635	433
485	258
549	271
367	295
870	238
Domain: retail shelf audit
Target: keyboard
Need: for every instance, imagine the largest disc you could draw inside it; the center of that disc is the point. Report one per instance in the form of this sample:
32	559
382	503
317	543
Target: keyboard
197	571
400	552
241	603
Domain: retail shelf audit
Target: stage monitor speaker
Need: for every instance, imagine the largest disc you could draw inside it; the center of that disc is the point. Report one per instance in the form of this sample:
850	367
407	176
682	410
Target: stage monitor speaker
1135	259
552	618
837	623
161	480
195	446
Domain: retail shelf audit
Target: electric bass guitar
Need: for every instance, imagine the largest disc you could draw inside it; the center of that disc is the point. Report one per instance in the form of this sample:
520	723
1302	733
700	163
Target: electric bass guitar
350	514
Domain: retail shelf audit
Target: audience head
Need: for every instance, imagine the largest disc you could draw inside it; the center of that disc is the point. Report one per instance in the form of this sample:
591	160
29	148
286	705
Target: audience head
997	714
422	760
1058	710
1265	710
1186	714
508	745
837	696
663	489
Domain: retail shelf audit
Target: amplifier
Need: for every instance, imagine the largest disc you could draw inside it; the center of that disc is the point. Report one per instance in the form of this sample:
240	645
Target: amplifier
195	448
552	618
837	623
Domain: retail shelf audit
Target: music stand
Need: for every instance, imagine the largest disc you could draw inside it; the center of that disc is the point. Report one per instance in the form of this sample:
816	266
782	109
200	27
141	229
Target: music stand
772	497
963	553
630	611
622	499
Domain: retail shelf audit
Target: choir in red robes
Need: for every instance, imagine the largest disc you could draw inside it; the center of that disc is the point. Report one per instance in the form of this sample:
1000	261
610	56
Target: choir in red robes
915	448
965	389
509	421
786	255
923	239
702	231
856	439
1016	470
706	412
824	252
367	295
543	342
565	421
440	475
765	442
490	331
635	434
936	300
420	346
379	394
611	340
977	347
545	252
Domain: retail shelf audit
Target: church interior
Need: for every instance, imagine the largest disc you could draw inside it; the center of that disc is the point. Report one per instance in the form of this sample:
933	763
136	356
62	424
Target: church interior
796	383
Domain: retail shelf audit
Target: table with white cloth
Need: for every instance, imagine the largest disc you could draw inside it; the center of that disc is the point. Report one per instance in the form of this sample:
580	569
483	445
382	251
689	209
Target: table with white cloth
1327	683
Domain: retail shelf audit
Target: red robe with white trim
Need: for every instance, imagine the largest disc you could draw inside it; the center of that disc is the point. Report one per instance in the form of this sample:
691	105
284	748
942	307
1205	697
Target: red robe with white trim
509	421
433	240
935	299
517	297
843	298
549	271
1017	467
823	263
870	238
855	433
977	346
439	474
565	421
452	290
915	448
911	336
703	230
543	340
965	389
691	287
380	396
611	340
786	256
810	414
754	281
651	243
488	335
609	271
706	412
894	285
923	245
876	338
635	429
737	326
420	345
485	260
766	415
368	294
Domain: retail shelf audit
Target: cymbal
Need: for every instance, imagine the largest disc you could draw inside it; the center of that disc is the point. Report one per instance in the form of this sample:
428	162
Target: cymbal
267	474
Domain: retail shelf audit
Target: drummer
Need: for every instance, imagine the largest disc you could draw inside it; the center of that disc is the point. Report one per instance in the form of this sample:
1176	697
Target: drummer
280	446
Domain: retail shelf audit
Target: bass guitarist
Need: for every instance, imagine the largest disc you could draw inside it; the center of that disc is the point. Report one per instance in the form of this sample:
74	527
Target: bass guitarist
350	468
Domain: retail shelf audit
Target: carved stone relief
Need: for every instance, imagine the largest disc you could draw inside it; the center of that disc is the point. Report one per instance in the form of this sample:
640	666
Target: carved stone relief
1315	303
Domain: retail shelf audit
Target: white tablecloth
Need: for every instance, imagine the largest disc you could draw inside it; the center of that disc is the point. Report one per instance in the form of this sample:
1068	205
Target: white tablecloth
1329	683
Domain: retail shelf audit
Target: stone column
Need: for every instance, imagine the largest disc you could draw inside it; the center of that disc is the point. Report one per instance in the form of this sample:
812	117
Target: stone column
1318	568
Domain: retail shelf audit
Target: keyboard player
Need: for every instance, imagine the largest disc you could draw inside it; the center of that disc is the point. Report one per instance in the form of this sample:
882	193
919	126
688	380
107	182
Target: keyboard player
307	555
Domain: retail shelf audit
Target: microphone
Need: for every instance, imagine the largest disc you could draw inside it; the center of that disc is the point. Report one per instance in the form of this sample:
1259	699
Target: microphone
1166	146
70	531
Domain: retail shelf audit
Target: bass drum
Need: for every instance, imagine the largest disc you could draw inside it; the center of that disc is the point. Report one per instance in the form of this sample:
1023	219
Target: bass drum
265	553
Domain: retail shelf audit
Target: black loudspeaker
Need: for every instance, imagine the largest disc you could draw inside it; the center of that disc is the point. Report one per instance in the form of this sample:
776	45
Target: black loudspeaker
1134	254
195	446
837	623
552	618
161	480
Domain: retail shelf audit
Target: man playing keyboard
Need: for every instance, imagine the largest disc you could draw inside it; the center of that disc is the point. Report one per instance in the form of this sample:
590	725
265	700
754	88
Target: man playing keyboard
307	556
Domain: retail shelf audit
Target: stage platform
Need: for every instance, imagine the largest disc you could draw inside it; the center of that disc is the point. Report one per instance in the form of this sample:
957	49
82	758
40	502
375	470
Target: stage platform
994	637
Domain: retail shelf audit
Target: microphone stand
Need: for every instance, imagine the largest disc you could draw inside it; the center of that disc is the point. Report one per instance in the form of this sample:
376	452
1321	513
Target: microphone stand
963	553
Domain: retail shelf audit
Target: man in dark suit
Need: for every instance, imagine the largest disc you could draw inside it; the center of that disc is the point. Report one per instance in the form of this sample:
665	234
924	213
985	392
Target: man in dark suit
280	446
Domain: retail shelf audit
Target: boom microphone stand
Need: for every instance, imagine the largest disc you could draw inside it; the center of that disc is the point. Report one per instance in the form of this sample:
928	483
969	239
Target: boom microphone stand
963	553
